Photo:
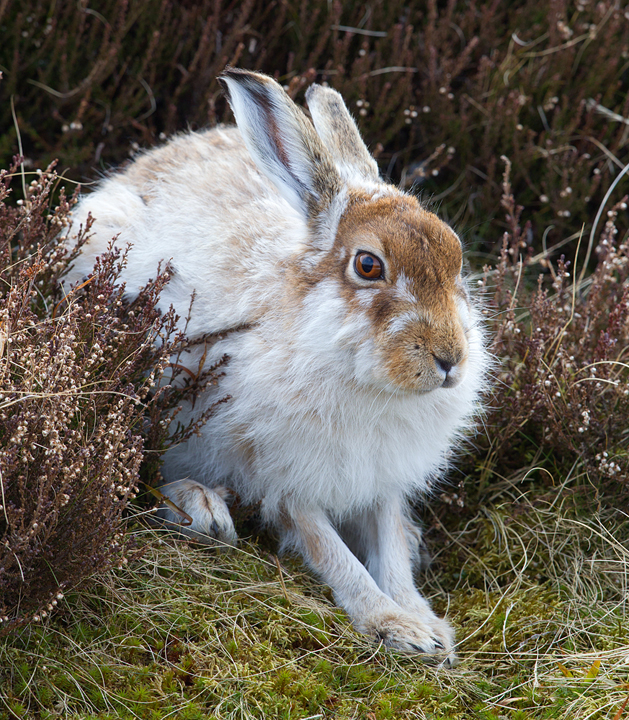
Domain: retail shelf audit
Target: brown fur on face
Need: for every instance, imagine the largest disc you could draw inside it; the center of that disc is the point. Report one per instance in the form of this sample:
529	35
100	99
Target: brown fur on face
417	328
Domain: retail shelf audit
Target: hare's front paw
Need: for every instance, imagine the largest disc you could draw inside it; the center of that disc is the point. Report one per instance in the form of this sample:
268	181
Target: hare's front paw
411	634
206	507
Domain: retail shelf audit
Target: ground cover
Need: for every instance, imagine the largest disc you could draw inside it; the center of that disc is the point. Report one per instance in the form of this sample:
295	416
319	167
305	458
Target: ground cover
537	597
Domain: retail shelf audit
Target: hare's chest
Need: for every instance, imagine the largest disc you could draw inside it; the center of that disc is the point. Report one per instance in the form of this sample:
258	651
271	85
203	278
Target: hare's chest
370	457
329	450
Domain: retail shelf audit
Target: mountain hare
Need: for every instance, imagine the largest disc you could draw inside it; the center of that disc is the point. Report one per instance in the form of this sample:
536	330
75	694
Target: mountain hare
361	360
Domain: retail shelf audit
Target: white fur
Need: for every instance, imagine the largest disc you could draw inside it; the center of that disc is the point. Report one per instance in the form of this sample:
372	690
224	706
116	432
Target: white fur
464	312
205	507
402	321
313	432
403	289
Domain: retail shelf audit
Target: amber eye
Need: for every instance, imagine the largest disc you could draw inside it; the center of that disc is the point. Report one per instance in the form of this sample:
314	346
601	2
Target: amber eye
368	266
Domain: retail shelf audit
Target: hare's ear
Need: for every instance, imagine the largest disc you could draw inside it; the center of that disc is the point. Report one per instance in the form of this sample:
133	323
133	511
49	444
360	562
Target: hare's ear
339	134
282	141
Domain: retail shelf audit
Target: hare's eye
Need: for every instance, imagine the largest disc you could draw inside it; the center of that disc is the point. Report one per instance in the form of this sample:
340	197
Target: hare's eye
368	266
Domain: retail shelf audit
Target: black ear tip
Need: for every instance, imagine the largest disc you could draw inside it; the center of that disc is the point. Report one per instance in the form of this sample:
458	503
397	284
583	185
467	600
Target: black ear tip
312	91
245	78
223	83
234	73
229	73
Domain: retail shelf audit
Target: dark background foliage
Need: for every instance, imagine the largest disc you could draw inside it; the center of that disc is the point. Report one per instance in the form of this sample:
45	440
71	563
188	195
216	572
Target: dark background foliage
440	89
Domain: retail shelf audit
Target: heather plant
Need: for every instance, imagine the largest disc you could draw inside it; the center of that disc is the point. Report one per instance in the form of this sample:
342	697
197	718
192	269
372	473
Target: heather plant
560	337
76	371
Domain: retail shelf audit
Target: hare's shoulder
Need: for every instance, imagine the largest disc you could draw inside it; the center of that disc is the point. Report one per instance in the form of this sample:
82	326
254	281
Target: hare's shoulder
210	166
199	203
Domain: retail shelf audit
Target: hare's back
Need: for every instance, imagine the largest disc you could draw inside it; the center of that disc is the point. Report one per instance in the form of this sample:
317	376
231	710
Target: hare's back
199	203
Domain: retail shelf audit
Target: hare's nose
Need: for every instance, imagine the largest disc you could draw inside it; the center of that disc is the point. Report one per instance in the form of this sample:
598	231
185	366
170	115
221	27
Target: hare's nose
444	365
450	371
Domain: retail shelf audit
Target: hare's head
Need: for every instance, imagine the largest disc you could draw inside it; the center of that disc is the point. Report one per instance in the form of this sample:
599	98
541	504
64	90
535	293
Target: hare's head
379	274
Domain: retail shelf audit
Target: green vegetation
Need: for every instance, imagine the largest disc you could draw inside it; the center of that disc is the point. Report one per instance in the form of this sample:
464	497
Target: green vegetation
512	118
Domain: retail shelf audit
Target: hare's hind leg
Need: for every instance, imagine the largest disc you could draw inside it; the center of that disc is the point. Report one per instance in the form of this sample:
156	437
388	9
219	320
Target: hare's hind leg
206	507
